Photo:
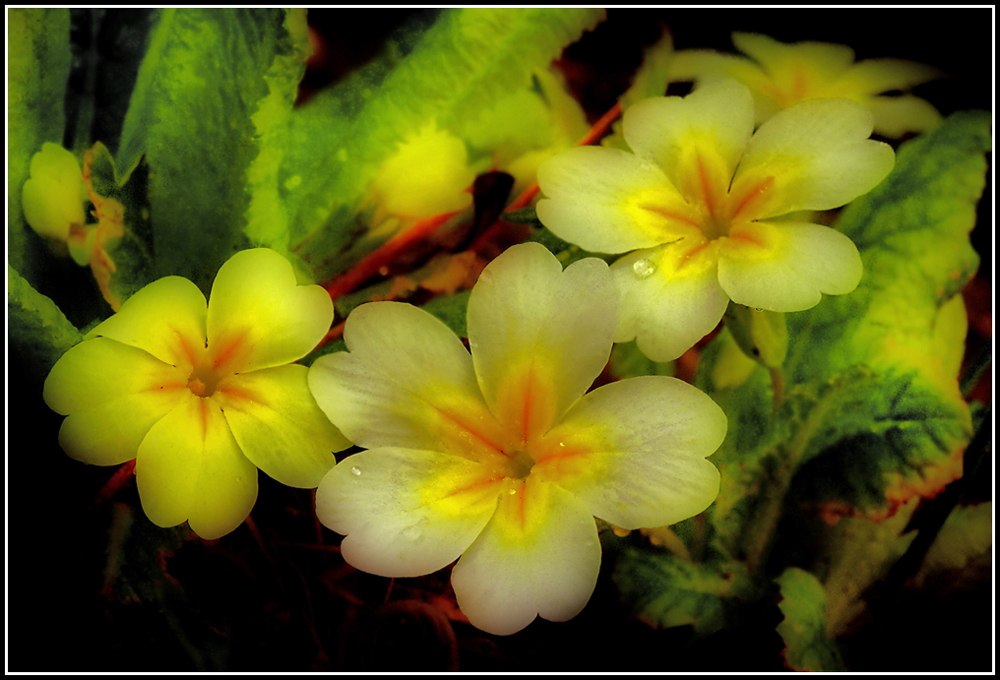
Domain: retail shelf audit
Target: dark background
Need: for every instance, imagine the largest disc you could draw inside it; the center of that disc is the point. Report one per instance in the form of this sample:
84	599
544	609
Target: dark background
259	601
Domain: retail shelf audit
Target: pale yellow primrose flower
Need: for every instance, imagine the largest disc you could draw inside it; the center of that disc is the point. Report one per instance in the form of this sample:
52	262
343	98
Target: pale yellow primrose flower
201	395
53	199
695	203
500	457
781	74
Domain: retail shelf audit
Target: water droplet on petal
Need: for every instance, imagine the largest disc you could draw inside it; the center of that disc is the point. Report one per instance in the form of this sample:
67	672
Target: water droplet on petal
643	268
512	491
412	533
355	471
486	276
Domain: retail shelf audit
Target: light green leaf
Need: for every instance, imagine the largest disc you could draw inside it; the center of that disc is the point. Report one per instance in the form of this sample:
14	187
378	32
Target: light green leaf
208	95
466	63
38	331
38	64
803	602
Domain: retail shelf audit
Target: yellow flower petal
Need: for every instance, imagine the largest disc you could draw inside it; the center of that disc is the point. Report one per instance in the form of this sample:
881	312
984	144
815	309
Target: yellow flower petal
406	382
539	335
895	116
796	71
189	467
628	463
103	370
406	512
785	266
539	555
110	433
278	425
166	318
52	199
874	76
258	317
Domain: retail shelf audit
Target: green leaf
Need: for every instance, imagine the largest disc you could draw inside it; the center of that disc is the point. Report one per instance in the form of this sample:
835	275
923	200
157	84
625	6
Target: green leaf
210	92
666	591
38	331
466	63
803	602
962	548
628	362
858	552
38	64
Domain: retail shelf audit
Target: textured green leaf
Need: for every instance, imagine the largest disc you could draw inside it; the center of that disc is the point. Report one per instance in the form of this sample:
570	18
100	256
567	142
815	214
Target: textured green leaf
38	64
38	331
208	96
666	591
461	68
803	602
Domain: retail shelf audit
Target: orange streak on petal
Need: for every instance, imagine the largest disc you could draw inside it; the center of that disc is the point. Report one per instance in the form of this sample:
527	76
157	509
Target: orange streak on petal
748	237
454	420
476	485
558	454
753	194
228	351
669	215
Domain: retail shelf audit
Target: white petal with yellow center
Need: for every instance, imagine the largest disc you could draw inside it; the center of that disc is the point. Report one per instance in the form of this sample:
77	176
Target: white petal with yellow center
406	512
538	556
670	297
785	266
609	200
634	466
258	317
278	425
718	115
819	155
539	335
407	381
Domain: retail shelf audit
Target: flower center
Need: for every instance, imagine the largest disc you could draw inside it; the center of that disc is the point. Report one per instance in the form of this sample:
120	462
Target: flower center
204	379
520	463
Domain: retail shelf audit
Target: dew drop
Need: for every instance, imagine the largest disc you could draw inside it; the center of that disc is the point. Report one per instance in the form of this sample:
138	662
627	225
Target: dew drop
412	533
643	268
486	276
355	471
512	491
